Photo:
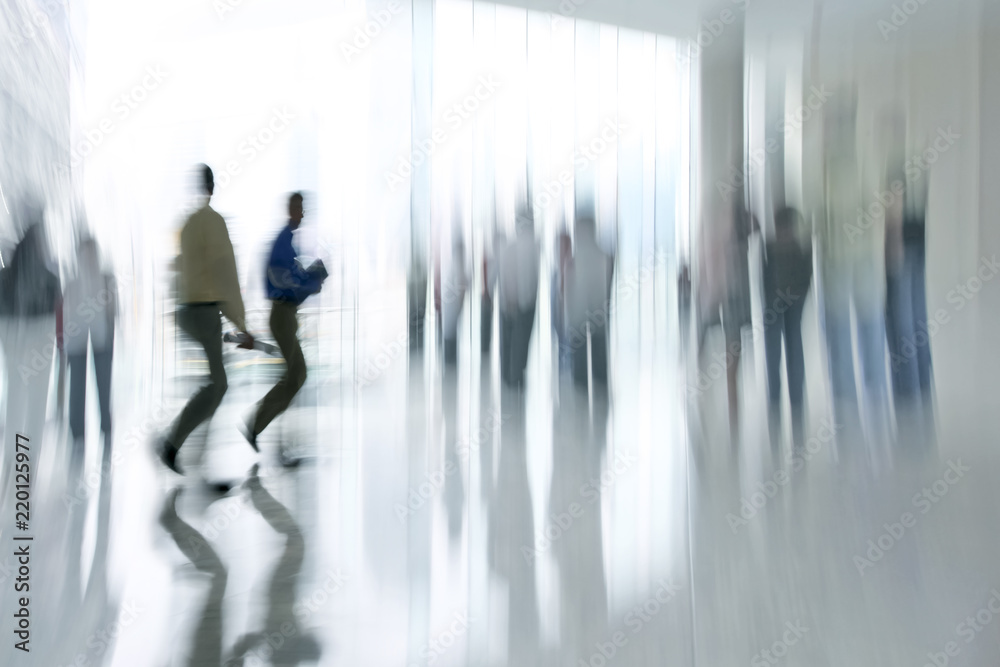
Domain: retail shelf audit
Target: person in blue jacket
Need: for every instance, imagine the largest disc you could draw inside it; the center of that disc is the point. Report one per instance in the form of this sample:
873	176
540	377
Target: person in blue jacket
288	284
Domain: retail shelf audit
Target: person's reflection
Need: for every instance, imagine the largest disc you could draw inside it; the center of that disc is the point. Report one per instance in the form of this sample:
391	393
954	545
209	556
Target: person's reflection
281	640
514	537
206	648
454	486
575	501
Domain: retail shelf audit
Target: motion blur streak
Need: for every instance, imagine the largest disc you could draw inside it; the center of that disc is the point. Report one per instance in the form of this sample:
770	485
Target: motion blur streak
448	332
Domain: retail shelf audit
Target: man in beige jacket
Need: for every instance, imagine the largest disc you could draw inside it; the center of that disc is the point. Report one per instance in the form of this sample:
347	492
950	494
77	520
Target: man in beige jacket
207	286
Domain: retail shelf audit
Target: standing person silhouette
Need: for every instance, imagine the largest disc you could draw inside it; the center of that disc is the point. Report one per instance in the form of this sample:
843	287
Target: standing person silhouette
89	313
208	286
288	284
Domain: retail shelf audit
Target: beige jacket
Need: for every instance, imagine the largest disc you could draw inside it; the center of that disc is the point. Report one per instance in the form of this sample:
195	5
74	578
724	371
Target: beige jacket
207	266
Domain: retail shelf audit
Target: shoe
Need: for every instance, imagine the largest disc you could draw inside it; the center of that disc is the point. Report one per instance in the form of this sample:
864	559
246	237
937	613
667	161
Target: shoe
248	433
287	460
168	456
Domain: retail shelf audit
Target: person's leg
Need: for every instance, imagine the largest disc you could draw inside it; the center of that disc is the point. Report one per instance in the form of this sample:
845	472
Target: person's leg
871	344
795	367
77	394
506	332
899	331
599	354
520	337
77	411
840	351
204	325
284	328
103	364
918	290
773	324
732	328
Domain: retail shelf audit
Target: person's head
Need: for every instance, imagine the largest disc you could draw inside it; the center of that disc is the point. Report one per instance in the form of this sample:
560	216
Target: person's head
206	180
295	210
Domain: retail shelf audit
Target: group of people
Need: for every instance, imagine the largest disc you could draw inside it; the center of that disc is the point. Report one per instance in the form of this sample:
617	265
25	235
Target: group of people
209	287
580	294
872	299
47	321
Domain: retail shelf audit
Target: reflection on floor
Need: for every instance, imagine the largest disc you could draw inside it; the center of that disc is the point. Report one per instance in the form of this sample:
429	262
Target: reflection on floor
435	518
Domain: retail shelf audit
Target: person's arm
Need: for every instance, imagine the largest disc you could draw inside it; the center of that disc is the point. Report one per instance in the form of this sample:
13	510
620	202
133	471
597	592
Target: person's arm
224	260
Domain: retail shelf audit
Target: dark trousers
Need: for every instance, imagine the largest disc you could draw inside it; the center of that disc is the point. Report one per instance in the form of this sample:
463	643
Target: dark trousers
203	323
906	325
78	389
285	328
785	326
515	338
78	400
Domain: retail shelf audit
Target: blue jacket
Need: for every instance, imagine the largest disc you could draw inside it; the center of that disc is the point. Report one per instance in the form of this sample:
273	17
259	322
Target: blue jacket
286	280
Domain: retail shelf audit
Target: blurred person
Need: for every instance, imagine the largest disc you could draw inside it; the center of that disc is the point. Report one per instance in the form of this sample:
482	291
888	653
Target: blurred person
787	278
209	286
491	261
29	301
906	303
588	294
449	297
851	256
724	291
564	255
282	593
89	314
287	284
518	299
